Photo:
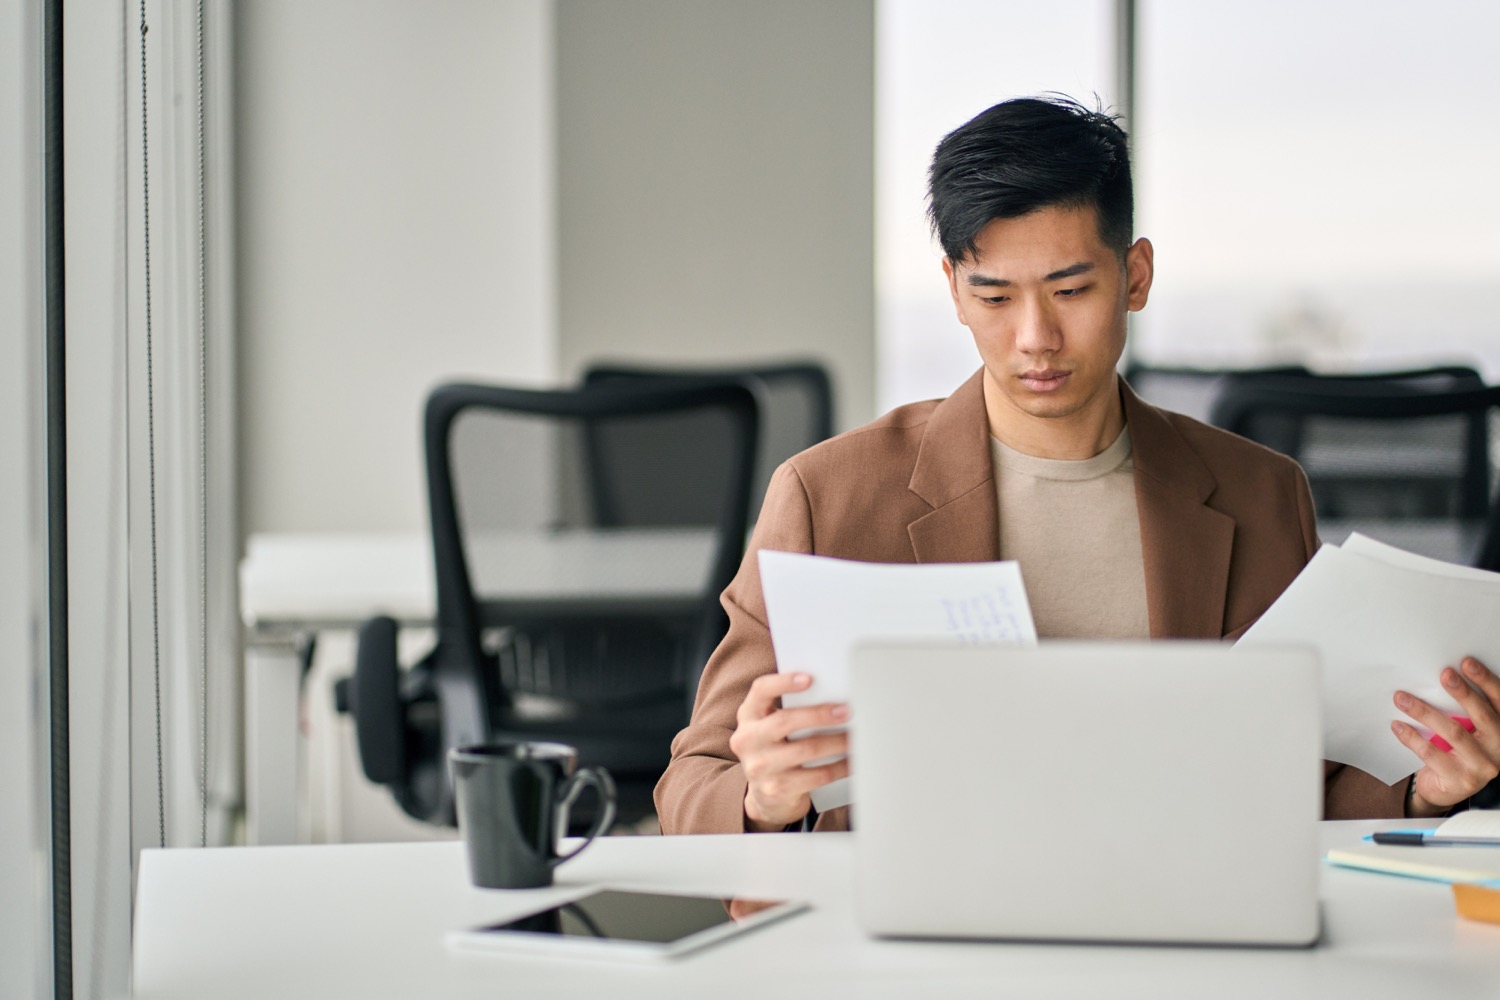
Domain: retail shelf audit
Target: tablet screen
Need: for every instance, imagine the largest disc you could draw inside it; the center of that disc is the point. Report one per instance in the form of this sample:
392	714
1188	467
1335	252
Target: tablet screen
648	917
615	923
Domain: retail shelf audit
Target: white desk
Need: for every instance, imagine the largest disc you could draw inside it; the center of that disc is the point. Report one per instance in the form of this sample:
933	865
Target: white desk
368	921
294	585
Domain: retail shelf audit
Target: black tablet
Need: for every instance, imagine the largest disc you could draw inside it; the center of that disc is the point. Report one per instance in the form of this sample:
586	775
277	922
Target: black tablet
622	924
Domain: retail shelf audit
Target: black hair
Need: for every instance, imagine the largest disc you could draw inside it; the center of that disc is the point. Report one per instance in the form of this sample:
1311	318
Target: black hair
1027	154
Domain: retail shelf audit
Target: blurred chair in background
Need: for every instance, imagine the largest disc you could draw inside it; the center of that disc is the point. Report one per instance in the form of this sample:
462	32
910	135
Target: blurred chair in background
1192	391
569	608
1286	433
797	414
1403	457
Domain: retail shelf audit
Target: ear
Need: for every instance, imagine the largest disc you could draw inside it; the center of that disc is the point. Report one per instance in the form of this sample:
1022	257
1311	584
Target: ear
1140	268
952	274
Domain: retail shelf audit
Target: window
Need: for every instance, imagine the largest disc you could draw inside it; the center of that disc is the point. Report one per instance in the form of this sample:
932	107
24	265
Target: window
1317	180
937	64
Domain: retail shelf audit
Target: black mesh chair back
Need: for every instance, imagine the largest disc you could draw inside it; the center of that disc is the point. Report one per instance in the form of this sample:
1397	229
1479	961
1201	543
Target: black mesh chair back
563	615
1344	453
1192	391
797	411
1406	458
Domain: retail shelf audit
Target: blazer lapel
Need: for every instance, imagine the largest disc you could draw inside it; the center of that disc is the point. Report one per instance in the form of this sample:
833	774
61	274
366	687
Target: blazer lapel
954	474
1186	544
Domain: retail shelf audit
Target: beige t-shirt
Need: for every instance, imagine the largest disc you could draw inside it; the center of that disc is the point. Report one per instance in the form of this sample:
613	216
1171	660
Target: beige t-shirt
1073	527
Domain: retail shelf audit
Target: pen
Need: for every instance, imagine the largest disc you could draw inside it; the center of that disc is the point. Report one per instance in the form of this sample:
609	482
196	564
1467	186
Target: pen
1425	838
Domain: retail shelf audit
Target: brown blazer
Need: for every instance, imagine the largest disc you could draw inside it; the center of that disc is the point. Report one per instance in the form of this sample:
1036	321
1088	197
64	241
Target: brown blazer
1225	526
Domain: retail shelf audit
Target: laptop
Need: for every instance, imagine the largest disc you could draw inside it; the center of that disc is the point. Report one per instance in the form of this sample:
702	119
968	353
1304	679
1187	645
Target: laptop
1163	792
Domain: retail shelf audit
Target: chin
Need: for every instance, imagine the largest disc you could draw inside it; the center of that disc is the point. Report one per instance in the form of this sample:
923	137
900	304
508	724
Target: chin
1048	406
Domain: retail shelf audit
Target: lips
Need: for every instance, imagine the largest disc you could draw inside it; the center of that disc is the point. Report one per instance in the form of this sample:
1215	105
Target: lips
1044	379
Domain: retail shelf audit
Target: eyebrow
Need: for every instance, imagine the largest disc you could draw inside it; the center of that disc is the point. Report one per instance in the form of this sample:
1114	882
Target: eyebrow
1072	271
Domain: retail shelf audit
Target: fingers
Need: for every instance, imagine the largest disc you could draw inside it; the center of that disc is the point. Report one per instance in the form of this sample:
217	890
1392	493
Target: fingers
1480	704
739	909
1484	677
784	723
792	755
765	690
1466	760
1439	784
760	724
1416	742
761	735
1438	721
777	784
1482	700
794	786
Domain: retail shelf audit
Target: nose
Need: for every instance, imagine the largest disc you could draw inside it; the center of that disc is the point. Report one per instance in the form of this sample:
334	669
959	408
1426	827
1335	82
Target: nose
1039	331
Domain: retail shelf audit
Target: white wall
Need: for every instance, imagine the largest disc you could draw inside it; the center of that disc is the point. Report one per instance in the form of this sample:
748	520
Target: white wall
25	900
716	184
394	165
397	221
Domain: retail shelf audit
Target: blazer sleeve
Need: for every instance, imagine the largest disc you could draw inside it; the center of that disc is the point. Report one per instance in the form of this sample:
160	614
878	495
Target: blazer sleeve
703	789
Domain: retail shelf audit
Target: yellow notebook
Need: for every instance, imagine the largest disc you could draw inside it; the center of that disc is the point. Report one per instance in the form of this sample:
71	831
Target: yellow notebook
1440	864
1477	902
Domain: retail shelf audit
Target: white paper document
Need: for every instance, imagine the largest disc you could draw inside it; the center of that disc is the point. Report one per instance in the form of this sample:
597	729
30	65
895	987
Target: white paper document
818	608
1382	619
1400	557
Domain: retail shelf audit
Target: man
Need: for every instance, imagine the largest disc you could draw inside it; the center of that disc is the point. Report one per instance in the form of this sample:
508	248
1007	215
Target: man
1128	521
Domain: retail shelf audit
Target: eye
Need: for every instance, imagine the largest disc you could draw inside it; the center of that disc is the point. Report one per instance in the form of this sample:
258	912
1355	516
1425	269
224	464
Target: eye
993	300
1071	293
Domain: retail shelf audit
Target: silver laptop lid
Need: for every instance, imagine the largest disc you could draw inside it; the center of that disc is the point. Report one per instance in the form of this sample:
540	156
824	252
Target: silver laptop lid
1164	791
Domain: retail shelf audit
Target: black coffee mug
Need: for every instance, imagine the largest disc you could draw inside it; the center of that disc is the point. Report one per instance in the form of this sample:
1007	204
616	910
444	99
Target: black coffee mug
513	803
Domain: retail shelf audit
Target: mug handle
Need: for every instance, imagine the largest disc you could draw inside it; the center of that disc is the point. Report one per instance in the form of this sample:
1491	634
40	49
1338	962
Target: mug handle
571	789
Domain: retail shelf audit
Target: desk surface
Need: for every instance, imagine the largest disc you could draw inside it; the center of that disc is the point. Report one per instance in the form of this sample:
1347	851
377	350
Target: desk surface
368	921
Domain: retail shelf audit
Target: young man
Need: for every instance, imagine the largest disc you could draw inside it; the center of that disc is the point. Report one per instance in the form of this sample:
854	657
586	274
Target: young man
1128	521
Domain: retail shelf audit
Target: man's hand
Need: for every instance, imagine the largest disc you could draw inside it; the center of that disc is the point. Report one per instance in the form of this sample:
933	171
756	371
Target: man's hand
779	786
1448	777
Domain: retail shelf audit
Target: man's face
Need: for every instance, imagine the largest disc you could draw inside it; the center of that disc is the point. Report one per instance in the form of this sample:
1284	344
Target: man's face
1046	300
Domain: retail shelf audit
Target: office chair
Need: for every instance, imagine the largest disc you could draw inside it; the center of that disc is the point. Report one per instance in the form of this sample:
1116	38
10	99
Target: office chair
514	475
1192	391
798	411
1195	391
1394	457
